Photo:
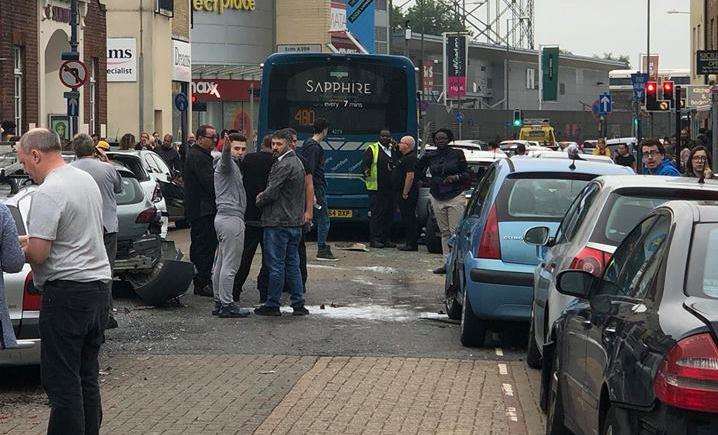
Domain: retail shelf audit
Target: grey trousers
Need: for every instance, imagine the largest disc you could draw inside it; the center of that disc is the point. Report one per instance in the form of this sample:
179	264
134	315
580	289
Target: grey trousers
110	240
228	257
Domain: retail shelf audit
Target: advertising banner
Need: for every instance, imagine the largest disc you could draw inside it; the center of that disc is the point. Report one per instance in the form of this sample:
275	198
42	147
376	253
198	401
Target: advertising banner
650	66
428	77
707	62
181	61
455	58
549	73
360	22
698	97
121	60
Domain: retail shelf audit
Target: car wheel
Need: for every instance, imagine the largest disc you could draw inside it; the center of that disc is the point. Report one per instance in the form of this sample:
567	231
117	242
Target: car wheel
432	236
616	422
533	356
554	419
453	307
473	330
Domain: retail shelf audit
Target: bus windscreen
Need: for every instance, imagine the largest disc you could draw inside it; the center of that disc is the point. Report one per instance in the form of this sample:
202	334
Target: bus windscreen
356	98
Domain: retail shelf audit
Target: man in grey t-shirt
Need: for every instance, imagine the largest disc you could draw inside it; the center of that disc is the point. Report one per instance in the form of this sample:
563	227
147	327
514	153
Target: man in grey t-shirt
110	184
65	248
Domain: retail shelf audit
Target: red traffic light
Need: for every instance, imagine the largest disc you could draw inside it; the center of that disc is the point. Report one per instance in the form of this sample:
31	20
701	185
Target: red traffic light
667	86
651	87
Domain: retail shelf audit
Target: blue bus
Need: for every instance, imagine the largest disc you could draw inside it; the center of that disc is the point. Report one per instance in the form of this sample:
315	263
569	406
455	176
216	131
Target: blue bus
358	95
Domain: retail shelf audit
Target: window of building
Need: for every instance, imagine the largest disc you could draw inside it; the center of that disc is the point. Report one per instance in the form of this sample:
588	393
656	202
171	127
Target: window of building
93	96
18	102
562	88
380	5
530	78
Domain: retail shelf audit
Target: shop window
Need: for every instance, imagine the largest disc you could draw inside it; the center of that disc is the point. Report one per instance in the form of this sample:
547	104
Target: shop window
18	100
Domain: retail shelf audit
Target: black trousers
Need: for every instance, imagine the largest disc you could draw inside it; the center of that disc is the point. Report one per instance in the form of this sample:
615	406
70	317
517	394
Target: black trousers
72	329
407	209
203	240
382	205
253	237
263	277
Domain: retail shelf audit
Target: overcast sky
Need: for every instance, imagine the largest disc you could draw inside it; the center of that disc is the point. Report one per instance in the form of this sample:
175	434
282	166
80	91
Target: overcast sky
618	26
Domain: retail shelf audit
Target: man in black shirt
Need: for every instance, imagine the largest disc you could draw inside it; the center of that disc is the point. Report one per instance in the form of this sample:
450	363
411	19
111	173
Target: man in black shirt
378	164
408	193
624	157
169	154
255	172
200	208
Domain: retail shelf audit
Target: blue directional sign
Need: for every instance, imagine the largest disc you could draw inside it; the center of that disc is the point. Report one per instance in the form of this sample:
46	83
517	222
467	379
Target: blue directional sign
638	80
459	118
73	103
605	104
181	102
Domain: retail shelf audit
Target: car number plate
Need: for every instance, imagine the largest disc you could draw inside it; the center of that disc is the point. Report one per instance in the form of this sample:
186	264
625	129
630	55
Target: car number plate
336	213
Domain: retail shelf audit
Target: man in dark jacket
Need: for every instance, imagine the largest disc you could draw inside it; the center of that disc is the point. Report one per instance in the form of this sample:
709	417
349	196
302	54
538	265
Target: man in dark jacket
169	154
282	204
200	208
255	172
378	164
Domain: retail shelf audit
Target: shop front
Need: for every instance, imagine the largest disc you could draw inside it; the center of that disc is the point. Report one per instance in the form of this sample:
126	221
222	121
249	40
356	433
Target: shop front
226	104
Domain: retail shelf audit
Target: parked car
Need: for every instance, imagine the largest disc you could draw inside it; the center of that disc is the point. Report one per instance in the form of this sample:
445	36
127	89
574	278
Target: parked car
549	154
490	268
509	146
636	352
597	221
478	162
472	144
157	182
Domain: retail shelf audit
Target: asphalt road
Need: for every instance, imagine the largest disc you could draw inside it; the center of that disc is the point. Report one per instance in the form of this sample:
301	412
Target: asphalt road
377	303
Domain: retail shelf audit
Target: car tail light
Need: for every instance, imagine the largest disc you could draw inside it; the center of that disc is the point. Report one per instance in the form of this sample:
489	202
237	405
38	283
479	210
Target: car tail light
688	376
489	246
157	194
591	260
147	216
31	297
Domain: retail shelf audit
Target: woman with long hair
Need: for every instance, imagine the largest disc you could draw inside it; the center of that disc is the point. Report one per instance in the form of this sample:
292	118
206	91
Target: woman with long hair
699	163
127	142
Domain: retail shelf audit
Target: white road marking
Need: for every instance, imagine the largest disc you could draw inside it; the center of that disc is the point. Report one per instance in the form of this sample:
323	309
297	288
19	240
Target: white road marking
503	370
508	389
499	352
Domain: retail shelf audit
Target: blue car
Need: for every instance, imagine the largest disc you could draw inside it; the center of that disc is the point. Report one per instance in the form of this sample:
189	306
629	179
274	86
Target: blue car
490	269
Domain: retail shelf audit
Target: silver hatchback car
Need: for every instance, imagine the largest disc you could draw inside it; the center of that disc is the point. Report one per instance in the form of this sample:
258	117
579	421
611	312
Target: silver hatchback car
595	224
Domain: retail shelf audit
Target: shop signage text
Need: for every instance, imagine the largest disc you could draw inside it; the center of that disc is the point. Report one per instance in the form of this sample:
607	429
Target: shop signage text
121	60
313	87
224	90
181	61
205	87
220	6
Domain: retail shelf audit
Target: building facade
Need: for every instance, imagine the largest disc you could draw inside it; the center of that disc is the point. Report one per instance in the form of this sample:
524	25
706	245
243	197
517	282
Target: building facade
149	63
33	36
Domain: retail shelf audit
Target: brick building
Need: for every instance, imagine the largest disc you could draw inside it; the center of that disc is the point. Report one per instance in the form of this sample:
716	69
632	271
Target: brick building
33	35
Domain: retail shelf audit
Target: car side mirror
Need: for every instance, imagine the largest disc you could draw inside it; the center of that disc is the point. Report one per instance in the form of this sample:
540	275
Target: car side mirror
537	236
576	283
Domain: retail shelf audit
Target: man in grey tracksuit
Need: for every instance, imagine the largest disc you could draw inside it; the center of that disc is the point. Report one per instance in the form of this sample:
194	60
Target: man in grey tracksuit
231	202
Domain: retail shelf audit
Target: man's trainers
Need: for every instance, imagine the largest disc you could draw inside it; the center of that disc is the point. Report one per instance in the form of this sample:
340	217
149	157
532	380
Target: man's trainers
267	311
325	254
300	310
233	311
217	308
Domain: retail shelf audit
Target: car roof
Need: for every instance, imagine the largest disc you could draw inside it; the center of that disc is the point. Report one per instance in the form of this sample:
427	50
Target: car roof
657	182
522	164
550	154
476	155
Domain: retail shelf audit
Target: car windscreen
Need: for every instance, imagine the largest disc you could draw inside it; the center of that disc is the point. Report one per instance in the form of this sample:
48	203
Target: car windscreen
539	196
625	208
132	192
702	278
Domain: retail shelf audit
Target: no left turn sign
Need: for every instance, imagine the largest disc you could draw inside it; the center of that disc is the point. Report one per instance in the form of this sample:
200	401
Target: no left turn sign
73	74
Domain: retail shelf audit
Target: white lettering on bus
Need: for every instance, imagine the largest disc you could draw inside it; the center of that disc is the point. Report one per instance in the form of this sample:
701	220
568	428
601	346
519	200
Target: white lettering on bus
313	87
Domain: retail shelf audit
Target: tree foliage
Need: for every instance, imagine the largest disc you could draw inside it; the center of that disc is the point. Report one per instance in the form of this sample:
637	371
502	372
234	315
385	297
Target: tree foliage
427	16
617	57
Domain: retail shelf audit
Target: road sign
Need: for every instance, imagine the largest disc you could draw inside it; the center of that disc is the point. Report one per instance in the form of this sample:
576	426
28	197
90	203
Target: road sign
698	97
605	104
459	118
73	103
181	102
707	62
73	74
638	80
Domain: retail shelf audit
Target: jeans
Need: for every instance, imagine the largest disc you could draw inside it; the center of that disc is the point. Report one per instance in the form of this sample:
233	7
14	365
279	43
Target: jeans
263	277
201	250
407	208
321	216
252	239
282	259
230	234
72	329
382	206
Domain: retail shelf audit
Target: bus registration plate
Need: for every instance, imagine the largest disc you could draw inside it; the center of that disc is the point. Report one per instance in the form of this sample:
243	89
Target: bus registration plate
337	213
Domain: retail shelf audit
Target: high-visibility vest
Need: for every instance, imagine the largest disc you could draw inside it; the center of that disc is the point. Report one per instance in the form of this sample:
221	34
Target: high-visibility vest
371	180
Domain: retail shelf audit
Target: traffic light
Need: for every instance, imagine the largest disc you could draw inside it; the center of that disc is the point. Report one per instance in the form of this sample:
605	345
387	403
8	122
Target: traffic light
518	118
668	90
651	95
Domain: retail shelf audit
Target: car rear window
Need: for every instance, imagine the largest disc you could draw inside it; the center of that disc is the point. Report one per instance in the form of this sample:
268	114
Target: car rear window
702	278
625	208
131	192
133	163
539	196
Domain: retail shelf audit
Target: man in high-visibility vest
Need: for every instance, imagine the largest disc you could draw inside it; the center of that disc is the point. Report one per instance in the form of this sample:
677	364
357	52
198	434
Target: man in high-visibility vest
378	164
